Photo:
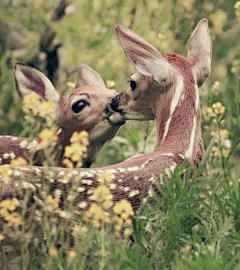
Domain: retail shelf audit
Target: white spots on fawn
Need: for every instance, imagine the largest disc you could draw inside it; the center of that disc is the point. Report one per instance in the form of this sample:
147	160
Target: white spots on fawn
16	173
146	163
133	169
175	100
112	186
87	182
62	173
151	179
0	161
119	180
81	189
126	189
188	153
23	143
82	205
133	193
135	178
33	146
90	191
5	156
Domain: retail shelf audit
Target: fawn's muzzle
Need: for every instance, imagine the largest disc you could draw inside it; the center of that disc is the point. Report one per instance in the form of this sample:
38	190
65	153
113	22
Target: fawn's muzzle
114	104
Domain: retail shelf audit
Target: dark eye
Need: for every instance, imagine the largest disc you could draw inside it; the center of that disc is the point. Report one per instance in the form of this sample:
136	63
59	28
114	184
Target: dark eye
133	85
78	106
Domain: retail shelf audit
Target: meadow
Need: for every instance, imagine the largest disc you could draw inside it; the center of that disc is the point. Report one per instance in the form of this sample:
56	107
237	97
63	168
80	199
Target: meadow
195	224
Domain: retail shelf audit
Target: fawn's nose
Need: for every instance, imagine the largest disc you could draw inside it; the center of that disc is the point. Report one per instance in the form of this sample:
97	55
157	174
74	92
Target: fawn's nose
114	103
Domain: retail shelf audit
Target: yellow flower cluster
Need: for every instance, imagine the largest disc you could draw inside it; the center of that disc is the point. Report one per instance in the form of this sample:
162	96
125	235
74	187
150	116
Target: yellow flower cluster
32	104
218	19
7	208
103	210
76	150
52	202
53	252
110	84
19	161
124	211
48	137
235	64
216	110
4	172
237	9
77	230
224	143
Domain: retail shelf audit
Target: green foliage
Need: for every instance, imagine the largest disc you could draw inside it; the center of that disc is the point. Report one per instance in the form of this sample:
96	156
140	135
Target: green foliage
195	224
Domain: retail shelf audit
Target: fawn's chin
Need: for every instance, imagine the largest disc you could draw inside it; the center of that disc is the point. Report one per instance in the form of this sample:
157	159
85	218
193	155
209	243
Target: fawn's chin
116	119
133	115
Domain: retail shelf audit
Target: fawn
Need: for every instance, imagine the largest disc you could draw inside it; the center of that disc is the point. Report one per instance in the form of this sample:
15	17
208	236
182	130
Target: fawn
165	88
83	109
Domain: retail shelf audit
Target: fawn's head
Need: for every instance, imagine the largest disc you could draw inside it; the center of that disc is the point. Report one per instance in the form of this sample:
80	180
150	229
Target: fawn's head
156	83
83	109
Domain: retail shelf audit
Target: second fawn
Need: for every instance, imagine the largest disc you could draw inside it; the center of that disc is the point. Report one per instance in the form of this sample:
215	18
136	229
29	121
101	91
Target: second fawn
83	109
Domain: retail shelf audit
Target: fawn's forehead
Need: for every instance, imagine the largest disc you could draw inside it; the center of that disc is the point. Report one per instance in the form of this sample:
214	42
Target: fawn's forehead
92	90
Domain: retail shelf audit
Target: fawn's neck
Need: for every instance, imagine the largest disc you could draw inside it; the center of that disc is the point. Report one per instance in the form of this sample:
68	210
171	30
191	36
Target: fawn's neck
179	120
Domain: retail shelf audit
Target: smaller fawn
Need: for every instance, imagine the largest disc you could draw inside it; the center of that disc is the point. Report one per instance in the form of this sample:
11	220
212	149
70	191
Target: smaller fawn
83	109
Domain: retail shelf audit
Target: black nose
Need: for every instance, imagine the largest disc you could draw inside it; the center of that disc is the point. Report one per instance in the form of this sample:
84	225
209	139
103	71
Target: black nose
114	103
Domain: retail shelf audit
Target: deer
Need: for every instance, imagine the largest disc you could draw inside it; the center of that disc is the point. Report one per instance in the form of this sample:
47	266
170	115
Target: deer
85	108
164	87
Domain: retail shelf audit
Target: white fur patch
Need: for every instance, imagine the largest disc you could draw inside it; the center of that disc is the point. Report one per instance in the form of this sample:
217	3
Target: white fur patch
188	153
133	193
174	103
197	97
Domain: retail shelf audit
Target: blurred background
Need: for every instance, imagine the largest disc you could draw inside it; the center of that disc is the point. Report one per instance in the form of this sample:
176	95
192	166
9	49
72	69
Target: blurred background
56	36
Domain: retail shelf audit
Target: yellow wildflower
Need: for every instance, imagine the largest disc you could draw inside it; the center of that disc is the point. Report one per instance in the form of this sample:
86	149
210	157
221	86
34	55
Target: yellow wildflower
48	137
79	230
186	249
123	206
237	9
102	194
96	214
72	254
68	163
223	133
31	102
46	108
105	178
19	161
9	204
71	85
215	152
52	202
110	84
218	108
4	172
14	219
216	85
53	252
127	232
80	137
218	19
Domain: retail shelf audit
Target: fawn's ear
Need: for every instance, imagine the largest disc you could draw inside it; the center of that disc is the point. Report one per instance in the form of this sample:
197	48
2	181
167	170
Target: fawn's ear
88	76
144	57
28	79
200	50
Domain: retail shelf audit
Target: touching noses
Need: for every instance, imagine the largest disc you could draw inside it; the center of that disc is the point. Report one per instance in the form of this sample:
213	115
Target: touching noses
114	103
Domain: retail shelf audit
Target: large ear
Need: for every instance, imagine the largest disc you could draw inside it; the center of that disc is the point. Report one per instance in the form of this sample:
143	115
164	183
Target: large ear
144	57
29	79
88	76
200	51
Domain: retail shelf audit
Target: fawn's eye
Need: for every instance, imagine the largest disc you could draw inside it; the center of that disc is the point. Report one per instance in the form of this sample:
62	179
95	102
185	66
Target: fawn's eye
133	85
79	105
